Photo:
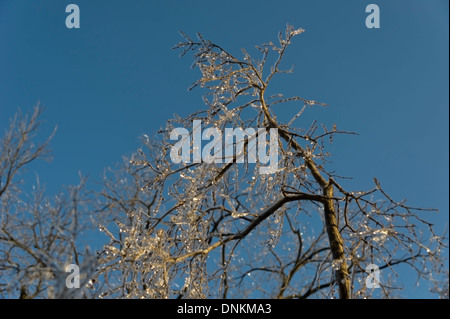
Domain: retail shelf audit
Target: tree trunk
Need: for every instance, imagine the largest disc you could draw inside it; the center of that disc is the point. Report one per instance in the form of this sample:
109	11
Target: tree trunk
336	244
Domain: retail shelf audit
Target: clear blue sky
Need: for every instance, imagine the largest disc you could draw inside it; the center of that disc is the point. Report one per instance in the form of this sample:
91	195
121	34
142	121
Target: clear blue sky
116	78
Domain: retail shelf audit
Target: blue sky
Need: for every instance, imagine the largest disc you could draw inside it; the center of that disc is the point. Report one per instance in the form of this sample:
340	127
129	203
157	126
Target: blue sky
116	78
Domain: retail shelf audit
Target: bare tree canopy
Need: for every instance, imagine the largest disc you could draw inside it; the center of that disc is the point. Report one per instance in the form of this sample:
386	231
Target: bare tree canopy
231	226
38	234
222	229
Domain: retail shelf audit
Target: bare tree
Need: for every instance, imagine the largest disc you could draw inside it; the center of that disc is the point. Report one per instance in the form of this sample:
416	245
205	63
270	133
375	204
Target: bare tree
38	234
228	227
197	230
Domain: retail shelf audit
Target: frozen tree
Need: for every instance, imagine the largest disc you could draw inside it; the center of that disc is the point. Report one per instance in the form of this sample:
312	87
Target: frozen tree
228	226
38	234
222	229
